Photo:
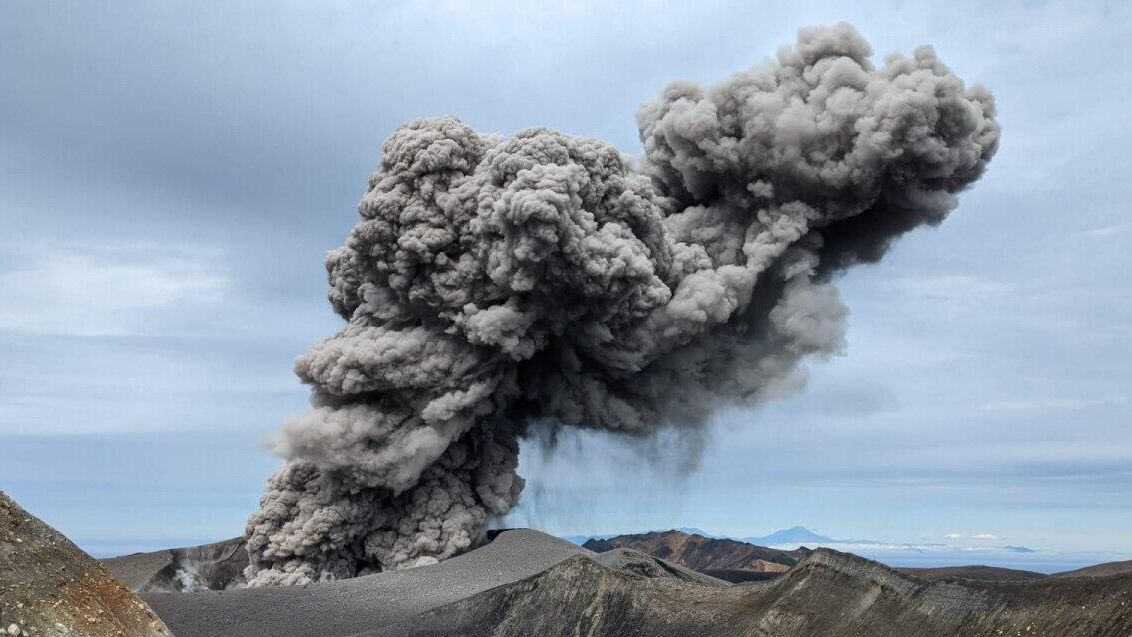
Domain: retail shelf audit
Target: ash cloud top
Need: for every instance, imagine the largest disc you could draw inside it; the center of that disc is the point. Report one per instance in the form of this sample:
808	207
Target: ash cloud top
494	281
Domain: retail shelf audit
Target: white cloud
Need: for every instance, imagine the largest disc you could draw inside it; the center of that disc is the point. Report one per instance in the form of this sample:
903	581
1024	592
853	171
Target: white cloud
98	289
985	536
953	536
1046	404
950	287
1106	231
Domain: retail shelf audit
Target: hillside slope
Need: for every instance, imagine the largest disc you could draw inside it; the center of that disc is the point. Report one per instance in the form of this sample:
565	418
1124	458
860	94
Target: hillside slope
1099	570
371	602
702	553
975	572
389	603
51	588
829	593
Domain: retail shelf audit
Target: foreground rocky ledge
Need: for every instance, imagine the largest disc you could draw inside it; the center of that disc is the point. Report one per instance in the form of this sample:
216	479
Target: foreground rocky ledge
51	588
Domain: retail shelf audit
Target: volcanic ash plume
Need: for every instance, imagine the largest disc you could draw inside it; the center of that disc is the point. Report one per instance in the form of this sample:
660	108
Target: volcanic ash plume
492	281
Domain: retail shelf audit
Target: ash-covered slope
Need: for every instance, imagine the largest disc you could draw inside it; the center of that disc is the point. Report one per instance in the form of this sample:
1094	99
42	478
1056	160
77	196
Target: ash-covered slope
386	603
701	553
367	603
51	588
828	593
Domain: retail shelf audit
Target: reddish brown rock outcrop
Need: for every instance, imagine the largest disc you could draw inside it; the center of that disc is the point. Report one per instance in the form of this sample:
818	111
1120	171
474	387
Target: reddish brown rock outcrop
704	554
51	588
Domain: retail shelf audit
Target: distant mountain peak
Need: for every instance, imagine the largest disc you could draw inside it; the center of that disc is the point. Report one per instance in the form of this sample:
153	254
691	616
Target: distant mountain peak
792	535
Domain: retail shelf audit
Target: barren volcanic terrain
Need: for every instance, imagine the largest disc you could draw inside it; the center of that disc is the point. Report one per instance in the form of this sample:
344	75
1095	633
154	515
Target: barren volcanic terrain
726	559
523	582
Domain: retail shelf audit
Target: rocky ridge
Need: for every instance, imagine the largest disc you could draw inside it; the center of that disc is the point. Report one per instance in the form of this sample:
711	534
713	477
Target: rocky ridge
827	593
51	588
704	554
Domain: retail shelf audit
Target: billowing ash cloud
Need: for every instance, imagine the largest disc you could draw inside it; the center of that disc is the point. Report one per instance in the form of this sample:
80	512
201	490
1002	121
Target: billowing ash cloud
492	281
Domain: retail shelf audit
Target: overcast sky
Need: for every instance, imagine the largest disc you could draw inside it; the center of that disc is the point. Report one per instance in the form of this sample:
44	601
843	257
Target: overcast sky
171	175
